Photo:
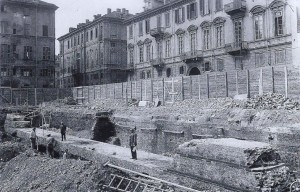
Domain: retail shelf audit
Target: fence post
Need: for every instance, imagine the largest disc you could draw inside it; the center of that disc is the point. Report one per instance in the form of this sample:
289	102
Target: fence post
163	88
273	81
237	82
151	87
182	88
190	85
126	96
286	81
226	84
131	92
141	90
248	84
207	85
261	85
122	90
199	87
94	92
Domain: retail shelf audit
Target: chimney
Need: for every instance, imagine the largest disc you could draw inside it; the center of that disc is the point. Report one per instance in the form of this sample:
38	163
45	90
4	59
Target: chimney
108	11
119	10
124	10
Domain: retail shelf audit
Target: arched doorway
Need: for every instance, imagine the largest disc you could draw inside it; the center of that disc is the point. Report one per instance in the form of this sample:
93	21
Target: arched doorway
194	71
103	129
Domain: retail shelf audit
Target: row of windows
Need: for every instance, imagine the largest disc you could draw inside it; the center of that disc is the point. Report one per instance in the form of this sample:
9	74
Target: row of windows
81	38
190	11
10	52
27	72
27	29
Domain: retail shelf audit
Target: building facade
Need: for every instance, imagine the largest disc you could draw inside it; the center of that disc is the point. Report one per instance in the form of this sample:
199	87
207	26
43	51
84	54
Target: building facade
193	37
27	40
95	51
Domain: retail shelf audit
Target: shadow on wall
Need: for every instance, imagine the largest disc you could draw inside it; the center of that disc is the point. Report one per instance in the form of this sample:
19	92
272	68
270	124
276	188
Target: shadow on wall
103	130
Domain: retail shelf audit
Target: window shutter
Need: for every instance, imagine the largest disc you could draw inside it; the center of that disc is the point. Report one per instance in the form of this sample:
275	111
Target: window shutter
188	11
201	4
183	14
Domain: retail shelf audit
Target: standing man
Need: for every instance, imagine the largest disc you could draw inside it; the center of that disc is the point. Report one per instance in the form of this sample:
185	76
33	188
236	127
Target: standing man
133	143
50	145
63	130
33	138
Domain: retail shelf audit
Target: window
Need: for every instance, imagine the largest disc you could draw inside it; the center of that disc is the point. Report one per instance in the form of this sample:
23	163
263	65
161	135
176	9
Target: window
159	72
220	35
278	23
14	31
28	53
142	75
26	72
179	15
46	53
87	36
238	31
259	59
239	63
131	56
49	72
130	31
158	20
4	72
140	28
180	44
4	26
181	70
169	72
168	48
96	32
207	66
3	8
5	51
258	26
112	44
148	52
147	25
148	74
220	64
205	7
167	19
193	42
75	41
141	49
71	42
45	30
91	36
192	11
219	5
206	41
68	44
280	57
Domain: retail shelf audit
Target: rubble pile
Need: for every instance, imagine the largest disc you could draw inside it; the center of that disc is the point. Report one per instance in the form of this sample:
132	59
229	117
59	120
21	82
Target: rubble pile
271	101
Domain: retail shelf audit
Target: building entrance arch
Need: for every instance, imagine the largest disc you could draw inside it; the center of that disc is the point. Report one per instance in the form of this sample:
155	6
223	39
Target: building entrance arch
194	71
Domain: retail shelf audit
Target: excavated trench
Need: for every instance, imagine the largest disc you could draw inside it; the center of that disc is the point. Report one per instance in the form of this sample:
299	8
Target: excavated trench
103	130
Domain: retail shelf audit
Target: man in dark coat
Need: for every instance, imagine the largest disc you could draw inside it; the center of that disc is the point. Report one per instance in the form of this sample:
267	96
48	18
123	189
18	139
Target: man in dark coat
133	143
63	130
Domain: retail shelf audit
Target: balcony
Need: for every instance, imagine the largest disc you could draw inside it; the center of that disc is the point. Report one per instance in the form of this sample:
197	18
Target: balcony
157	32
240	48
237	7
157	62
192	56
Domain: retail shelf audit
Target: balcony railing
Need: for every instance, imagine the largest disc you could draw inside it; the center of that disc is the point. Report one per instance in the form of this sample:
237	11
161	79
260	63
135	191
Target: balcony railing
159	62
157	32
192	56
236	7
237	48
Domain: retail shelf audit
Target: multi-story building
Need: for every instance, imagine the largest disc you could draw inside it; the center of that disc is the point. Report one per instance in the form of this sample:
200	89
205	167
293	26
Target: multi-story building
192	37
95	51
27	40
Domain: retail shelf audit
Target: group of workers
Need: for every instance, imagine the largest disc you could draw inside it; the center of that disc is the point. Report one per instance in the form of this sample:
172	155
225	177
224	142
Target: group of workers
51	141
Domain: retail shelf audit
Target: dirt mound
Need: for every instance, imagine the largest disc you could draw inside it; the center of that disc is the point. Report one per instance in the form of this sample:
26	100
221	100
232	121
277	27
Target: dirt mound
33	172
9	150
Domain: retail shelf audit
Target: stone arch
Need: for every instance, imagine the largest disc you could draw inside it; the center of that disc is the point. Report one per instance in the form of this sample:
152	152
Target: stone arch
139	43
219	20
167	35
205	24
194	71
276	4
130	46
192	28
257	9
180	31
147	41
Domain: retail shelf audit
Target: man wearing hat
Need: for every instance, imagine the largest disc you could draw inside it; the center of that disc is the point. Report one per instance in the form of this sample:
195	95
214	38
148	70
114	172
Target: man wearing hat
33	138
50	145
133	143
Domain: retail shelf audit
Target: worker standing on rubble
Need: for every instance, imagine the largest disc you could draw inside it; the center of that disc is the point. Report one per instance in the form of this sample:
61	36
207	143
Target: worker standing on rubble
63	130
133	143
33	138
50	145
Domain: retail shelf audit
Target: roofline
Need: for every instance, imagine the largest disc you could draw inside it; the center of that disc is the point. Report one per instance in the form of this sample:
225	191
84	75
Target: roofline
48	5
158	10
87	25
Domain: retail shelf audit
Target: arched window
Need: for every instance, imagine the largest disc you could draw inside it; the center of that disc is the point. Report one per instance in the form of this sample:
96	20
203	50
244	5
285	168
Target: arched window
194	71
169	72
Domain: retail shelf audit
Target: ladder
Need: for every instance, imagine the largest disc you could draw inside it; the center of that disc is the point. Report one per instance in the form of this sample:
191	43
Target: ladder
125	184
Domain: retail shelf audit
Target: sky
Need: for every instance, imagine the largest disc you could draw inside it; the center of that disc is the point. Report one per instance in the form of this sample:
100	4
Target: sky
72	12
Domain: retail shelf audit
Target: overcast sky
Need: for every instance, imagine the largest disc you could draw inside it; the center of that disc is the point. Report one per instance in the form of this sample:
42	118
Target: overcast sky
72	12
